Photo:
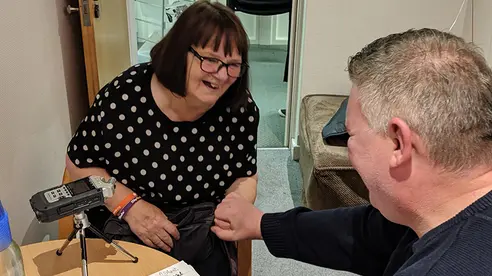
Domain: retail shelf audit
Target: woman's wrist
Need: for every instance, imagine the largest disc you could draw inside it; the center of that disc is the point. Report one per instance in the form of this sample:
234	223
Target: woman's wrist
116	211
128	207
133	212
245	187
120	193
125	205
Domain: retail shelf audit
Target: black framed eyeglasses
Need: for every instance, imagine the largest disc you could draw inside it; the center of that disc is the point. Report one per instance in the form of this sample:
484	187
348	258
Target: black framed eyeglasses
212	65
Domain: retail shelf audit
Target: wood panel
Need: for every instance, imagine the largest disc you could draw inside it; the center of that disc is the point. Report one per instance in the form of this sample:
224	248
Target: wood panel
106	43
111	40
244	256
89	44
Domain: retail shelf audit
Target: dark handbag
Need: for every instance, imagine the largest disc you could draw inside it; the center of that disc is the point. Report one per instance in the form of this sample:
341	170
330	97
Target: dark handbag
196	241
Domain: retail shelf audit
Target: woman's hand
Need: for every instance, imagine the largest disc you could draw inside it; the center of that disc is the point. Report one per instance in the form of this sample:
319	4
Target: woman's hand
151	225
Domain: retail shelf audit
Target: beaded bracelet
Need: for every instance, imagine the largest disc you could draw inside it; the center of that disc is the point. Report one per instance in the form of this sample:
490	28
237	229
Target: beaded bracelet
123	203
127	207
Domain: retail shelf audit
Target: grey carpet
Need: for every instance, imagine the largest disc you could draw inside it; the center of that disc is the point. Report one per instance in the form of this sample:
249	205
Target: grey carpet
279	189
270	94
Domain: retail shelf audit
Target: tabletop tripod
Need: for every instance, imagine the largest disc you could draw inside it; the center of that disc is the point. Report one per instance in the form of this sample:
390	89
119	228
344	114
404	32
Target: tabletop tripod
82	223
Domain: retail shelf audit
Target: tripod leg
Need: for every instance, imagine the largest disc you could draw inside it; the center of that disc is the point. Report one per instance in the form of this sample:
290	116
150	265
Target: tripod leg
113	244
83	246
68	240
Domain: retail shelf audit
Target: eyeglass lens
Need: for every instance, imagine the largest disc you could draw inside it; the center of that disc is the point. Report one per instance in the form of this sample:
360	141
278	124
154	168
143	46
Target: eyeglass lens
213	66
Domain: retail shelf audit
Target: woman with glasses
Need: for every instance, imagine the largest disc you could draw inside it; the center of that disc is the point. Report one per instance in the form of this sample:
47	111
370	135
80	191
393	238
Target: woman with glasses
175	132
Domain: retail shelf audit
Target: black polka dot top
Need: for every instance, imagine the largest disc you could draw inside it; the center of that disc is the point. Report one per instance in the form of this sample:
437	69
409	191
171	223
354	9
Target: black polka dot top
167	163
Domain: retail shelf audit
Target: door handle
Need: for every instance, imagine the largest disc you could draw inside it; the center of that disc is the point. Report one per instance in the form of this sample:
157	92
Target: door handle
71	9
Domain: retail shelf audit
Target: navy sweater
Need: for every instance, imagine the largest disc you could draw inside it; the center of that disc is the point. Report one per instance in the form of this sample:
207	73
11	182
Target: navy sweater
360	240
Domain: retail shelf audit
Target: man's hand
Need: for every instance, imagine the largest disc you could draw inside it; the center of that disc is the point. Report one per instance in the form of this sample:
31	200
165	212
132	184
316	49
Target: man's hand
237	219
151	225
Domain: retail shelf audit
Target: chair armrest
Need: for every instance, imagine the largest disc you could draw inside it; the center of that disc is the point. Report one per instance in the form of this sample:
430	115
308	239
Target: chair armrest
244	257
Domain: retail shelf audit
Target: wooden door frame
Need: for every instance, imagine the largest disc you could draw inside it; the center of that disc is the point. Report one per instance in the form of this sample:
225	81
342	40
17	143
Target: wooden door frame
132	31
89	44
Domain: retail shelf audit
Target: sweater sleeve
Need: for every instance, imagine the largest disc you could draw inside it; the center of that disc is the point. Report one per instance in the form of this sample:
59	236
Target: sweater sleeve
356	239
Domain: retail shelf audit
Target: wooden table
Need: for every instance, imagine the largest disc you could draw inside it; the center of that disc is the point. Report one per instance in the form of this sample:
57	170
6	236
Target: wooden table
41	259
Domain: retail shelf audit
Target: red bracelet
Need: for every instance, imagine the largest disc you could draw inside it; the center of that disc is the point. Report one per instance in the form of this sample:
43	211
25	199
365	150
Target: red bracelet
128	206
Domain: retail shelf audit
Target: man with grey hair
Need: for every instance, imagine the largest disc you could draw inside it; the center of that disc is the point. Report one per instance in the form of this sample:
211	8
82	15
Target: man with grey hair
419	117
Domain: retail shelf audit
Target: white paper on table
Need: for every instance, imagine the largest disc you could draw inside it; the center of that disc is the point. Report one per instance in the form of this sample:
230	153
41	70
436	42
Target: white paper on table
179	269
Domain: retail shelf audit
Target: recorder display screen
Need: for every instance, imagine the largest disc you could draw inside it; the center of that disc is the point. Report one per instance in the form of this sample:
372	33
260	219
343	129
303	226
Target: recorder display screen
79	187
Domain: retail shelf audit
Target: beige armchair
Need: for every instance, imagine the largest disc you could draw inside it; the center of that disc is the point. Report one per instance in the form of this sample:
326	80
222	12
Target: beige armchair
329	180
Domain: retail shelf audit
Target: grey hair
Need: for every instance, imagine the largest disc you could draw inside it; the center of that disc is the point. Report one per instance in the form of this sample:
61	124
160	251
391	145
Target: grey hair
439	84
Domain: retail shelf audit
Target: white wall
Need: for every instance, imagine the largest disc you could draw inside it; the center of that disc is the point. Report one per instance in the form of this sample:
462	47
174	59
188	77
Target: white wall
39	62
334	30
482	27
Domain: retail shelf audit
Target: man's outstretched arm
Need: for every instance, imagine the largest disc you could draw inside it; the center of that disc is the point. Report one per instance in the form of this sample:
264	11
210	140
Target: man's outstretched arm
357	239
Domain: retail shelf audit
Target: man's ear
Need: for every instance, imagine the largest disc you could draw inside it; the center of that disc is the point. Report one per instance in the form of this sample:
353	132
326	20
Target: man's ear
401	137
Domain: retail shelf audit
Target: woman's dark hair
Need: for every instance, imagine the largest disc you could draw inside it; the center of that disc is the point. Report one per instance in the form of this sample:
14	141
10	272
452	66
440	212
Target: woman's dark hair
199	24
